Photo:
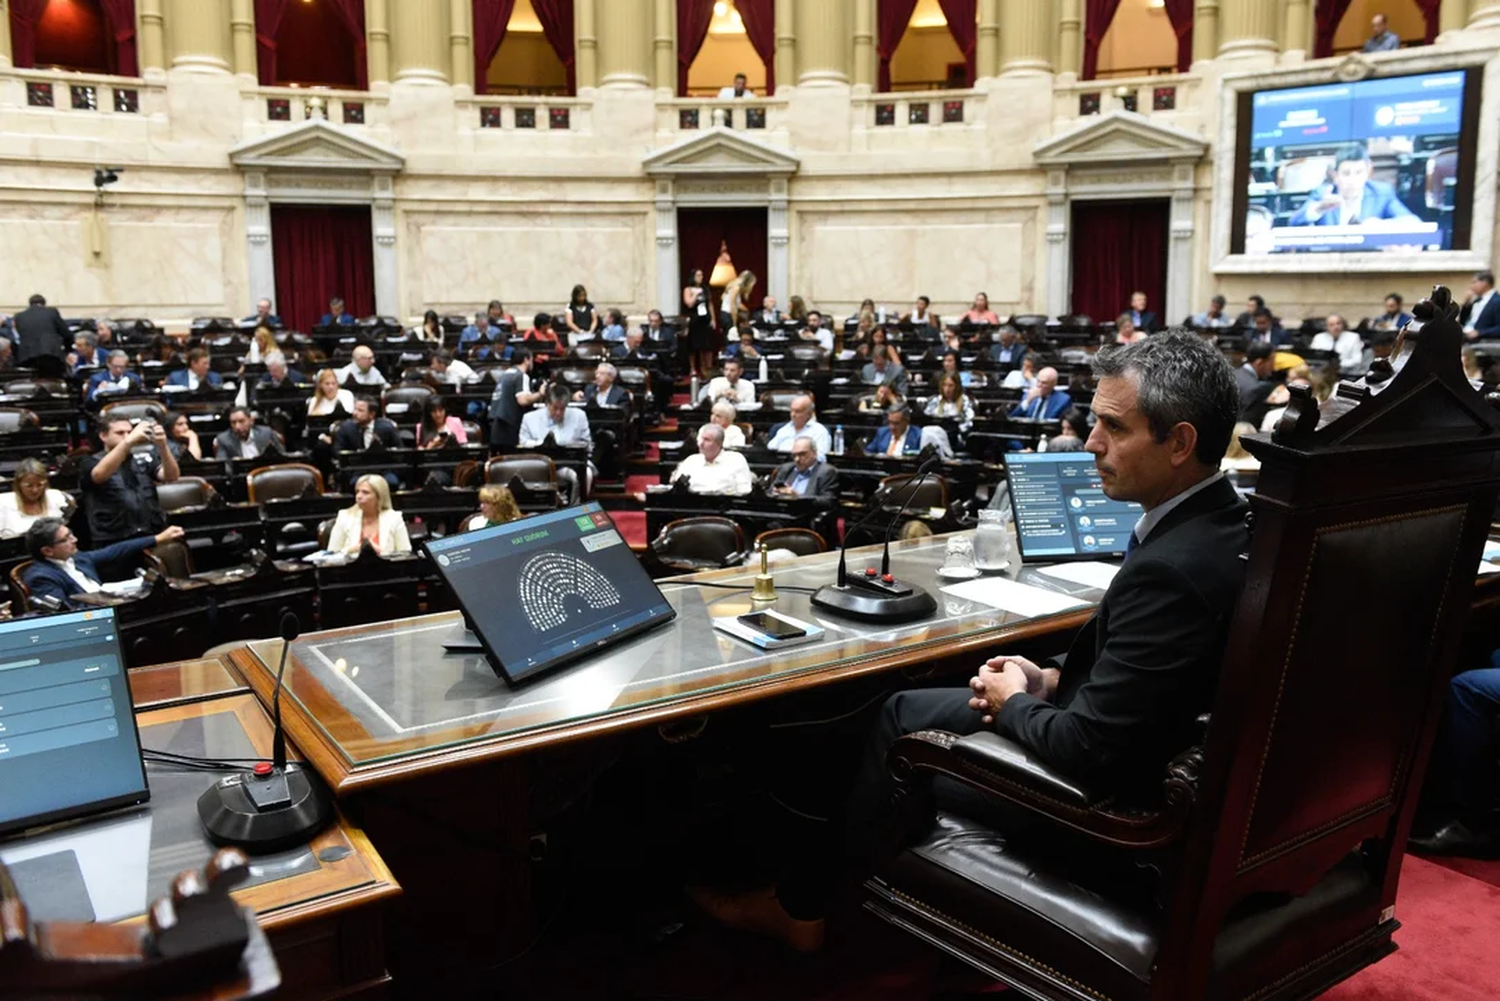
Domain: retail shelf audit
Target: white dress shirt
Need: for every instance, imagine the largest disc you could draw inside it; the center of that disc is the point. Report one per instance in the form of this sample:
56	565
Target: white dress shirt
729	473
249	450
458	373
743	390
13	522
369	377
86	584
728	94
1350	347
1478	309
1153	517
786	434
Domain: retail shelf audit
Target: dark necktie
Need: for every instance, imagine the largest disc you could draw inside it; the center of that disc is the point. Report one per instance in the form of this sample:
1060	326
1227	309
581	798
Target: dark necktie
1130	543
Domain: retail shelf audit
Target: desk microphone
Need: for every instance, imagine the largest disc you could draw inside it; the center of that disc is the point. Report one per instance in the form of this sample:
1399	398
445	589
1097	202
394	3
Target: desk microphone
274	805
878	595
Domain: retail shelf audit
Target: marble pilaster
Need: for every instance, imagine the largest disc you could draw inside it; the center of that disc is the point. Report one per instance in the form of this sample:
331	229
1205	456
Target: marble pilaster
585	45
664	46
987	41
242	39
419	41
1205	30
5	56
461	46
198	35
825	32
1070	37
625	44
378	44
864	46
1026	36
1247	28
1296	36
1484	14
785	60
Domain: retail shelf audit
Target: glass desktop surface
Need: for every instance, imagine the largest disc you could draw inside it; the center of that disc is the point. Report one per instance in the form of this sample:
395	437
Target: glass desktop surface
388	691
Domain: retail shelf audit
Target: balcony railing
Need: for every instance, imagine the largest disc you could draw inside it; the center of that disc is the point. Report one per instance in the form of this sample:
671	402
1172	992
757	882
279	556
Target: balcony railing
85	93
270	107
525	113
1153	94
942	108
756	115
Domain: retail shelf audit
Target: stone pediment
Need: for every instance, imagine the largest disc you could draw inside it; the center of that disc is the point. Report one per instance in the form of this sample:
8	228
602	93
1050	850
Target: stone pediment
719	152
1119	137
317	144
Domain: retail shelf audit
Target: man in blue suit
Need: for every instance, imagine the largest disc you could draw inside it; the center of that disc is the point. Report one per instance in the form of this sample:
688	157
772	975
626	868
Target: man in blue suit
197	374
1045	402
1480	315
1352	198
1142	317
59	571
899	436
336	314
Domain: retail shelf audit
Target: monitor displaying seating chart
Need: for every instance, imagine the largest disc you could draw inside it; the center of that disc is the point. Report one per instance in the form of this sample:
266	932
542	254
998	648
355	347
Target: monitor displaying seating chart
1061	510
68	743
549	589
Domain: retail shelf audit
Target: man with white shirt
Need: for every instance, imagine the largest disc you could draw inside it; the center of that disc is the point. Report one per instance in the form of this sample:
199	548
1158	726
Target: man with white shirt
362	369
731	386
569	428
804	422
59	571
1347	344
199	373
768	314
1480	315
739	91
714	469
451	371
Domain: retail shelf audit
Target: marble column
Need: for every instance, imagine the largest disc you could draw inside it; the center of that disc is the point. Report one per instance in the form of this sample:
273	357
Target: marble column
668	265
825	32
1484	14
785	61
1069	37
5	56
864	45
778	241
1452	16
1205	30
585	45
378	44
664	48
625	43
461	46
1296	37
987	43
419	41
242	39
1247	28
150	38
1026	36
198	35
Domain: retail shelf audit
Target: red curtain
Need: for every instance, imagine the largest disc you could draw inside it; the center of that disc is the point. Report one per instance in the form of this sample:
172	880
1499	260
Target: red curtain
1096	18
24	15
267	22
557	24
1180	13
891	19
491	18
321	251
960	17
693	17
352	13
760	25
1326	17
699	232
1429	9
120	16
1119	248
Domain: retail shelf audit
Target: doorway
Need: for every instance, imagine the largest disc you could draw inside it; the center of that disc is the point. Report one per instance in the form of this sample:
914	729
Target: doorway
322	251
1119	247
698	234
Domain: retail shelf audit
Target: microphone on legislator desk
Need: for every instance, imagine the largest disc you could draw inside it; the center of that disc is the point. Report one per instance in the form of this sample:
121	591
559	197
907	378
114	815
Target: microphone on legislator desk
274	805
878	595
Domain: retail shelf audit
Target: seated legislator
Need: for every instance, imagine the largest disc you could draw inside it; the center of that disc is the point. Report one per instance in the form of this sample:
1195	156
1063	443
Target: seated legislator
336	314
1395	316
1346	343
32	499
731	386
1008	349
604	391
807	475
1266	330
85	353
1126	332
477	333
1143	318
246	439
437	429
1480	314
884	370
1021	378
328	397
118	487
1138	674
1255	382
952	363
881	401
450	371
769	314
921	314
614	327
498	316
541	339
815	331
980	312
713	469
198	375
633	347
366	429
744	347
277	375
362	369
497	506
804	422
723	416
370	519
566	426
1044	401
1459	815
58	570
1214	316
182	440
899	436
1351	198
951	401
263	316
115	377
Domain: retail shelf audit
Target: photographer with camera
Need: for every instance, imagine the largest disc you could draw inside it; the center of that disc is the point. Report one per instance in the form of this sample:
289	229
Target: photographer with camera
118	484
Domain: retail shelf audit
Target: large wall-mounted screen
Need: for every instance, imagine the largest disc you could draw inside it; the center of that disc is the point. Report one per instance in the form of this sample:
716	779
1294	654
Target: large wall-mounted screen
1370	166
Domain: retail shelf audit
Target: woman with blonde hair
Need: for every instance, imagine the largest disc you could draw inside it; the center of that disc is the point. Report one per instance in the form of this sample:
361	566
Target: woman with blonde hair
31	499
736	296
262	343
370	519
951	401
497	506
328	396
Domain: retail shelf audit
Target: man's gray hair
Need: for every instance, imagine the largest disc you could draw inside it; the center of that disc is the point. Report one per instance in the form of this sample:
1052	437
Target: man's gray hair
275	358
117	353
1180	379
713	431
606	367
810	443
724	408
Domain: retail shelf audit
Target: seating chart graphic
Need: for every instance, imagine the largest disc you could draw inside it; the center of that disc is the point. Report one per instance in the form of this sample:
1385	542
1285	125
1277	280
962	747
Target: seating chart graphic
548	579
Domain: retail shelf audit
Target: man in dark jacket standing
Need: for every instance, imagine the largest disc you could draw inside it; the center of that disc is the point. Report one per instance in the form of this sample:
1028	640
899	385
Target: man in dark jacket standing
42	337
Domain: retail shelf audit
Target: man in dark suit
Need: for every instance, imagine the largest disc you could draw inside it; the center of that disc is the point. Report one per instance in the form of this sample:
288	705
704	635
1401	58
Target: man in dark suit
42	337
899	436
336	315
1253	380
198	374
58	570
1266	330
807	475
263	316
365	429
1139	315
1480	315
604	392
1138	674
246	439
277	375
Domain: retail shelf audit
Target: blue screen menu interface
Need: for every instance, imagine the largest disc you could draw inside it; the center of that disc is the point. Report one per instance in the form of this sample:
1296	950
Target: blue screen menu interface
68	742
1061	509
550	587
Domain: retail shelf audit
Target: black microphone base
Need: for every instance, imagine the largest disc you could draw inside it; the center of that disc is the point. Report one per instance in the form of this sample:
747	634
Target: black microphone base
230	816
860	603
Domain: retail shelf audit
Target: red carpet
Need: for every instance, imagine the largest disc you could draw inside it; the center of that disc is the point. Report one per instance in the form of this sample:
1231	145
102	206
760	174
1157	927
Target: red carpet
637	484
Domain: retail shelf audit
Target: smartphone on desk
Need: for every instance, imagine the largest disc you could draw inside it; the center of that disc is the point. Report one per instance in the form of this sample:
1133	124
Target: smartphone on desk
772	626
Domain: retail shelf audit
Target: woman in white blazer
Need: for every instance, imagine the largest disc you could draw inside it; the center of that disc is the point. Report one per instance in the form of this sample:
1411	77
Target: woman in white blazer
371	519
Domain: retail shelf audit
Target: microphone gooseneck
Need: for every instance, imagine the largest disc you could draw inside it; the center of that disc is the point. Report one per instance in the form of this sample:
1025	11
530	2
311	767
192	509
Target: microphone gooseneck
291	626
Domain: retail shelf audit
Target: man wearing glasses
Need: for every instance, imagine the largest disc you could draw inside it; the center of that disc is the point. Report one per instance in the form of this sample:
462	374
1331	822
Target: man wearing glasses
59	571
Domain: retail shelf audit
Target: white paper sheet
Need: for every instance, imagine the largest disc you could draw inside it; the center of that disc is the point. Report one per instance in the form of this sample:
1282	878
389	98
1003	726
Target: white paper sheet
1491	550
1090	573
1485	569
1022	599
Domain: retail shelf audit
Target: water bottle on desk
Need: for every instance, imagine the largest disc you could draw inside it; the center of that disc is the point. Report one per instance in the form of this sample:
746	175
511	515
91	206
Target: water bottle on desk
1041	443
693	390
765	372
838	440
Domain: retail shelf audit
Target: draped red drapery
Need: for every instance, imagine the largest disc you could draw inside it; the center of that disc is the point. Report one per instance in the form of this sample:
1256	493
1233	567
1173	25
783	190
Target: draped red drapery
352	13
120	16
1180	13
491	18
1430	10
693	19
891	19
1118	248
961	25
321	251
267	21
760	25
1097	16
557	25
1326	17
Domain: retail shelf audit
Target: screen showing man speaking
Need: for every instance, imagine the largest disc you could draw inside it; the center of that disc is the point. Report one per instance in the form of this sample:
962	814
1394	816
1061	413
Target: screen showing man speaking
549	589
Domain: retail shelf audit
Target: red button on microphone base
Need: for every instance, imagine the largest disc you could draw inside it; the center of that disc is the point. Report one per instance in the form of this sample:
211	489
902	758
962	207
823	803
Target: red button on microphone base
262	768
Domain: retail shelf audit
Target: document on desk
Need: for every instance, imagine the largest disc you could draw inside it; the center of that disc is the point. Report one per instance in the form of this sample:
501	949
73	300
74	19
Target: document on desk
1022	599
1089	573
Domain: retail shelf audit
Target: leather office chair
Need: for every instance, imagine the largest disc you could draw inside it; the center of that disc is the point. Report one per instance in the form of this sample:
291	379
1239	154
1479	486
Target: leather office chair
592	351
325	532
1279	838
893	491
1442	176
173	560
283	481
37	386
404	403
802	541
186	492
688	545
532	478
779	400
14	419
1304	173
20	594
133	410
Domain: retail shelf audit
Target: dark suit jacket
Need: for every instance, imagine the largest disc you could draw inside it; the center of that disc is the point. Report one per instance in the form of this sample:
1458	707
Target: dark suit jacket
1487	324
40	330
1053	407
47	579
1145	666
825	479
616	397
1017	352
1378	202
1253	393
180	378
882	440
227	445
293	378
351	437
1148	320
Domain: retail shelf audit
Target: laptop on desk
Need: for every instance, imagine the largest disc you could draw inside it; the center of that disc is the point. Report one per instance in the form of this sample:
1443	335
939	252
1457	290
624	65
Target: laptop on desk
1061	510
